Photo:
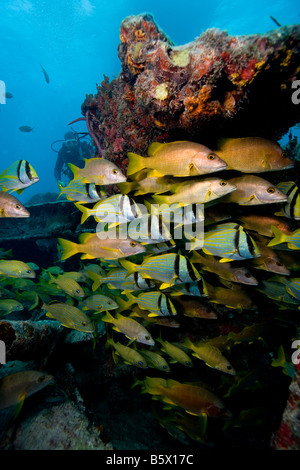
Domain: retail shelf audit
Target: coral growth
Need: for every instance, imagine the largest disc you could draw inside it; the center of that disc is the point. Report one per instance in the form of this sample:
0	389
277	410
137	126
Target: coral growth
216	85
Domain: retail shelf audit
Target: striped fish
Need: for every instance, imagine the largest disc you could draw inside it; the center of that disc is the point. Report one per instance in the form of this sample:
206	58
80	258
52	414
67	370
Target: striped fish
292	240
157	303
16	268
79	191
149	229
154	360
292	286
276	290
169	269
18	176
69	316
98	303
229	242
116	209
291	208
118	279
195	289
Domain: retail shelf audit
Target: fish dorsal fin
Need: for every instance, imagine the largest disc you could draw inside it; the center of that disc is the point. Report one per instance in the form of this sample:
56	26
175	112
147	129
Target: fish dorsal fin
84	237
154	147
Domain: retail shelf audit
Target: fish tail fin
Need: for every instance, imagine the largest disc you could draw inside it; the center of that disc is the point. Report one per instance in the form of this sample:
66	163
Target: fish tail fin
108	318
123	305
74	169
61	189
279	237
131	267
136	163
161	199
96	278
84	210
152	385
127	187
69	248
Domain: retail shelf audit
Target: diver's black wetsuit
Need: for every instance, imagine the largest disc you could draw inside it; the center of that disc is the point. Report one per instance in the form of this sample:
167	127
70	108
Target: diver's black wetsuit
71	154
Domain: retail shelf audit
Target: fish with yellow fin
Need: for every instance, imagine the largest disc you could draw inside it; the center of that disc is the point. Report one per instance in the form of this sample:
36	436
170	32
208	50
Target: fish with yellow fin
10	206
16	268
130	355
130	328
179	158
18	176
69	316
98	171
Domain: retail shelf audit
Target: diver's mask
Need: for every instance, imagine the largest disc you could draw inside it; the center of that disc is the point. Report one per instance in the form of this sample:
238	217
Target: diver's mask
70	143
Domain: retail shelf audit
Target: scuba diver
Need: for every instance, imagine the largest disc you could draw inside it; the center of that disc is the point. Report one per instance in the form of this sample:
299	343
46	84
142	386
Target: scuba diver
73	150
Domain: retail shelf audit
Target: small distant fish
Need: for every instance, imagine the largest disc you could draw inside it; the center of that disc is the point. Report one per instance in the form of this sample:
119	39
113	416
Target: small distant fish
99	303
176	353
157	303
195	308
16	387
79	191
197	191
253	155
253	190
69	316
235	297
11	206
229	242
26	128
180	158
45	74
155	360
275	21
93	246
69	286
210	355
10	305
262	224
18	176
170	269
98	171
15	268
129	355
130	328
292	208
120	208
8	95
292	240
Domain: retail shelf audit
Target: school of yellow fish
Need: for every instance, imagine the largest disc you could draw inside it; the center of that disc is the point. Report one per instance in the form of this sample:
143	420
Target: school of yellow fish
242	252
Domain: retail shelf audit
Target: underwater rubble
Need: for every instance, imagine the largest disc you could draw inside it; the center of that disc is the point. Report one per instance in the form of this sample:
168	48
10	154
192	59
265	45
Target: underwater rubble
192	337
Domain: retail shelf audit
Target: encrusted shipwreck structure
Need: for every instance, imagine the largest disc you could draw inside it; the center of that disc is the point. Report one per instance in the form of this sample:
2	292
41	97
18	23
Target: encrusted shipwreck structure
217	85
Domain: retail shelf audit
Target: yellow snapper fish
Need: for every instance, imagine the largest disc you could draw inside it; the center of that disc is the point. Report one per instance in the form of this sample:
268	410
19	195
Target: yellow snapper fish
197	191
194	399
170	268
69	316
18	176
93	246
226	271
180	158
98	303
79	191
211	355
229	242
10	305
68	285
130	355
14	388
76	276
176	353
119	208
268	260
130	328
235	297
253	155
10	206
292	207
292	240
253	190
98	171
155	360
143	184
262	224
16	268
195	308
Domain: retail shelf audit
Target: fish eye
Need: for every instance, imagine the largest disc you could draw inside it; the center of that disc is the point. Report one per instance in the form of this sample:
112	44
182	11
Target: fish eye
84	323
140	363
132	244
188	363
165	367
108	302
223	183
114	171
247	275
17	206
284	154
211	156
229	367
271	189
77	291
147	338
28	271
279	263
41	378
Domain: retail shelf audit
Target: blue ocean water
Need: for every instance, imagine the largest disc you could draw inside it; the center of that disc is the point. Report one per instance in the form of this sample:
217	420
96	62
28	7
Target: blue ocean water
76	42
